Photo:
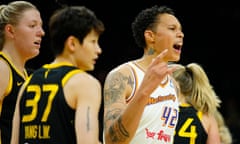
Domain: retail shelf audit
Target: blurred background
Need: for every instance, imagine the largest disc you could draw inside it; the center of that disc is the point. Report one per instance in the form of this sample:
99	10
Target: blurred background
211	39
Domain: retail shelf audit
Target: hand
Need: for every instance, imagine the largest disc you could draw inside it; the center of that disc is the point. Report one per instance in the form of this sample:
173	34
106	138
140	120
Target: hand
155	74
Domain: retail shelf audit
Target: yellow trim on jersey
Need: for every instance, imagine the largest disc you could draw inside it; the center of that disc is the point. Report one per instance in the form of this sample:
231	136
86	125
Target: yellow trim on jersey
199	114
27	80
185	105
55	65
25	74
10	84
59	64
9	87
70	74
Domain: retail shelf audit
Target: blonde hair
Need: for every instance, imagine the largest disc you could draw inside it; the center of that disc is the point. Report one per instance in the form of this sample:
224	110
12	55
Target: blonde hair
224	132
195	86
12	14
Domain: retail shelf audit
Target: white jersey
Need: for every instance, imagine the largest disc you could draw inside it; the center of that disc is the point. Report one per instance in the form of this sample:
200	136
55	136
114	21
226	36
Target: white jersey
160	115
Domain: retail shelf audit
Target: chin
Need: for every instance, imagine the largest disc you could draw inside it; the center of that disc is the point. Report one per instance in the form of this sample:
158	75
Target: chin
90	68
33	55
175	59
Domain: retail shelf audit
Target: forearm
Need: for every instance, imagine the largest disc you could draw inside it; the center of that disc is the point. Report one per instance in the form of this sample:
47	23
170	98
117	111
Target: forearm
15	128
121	124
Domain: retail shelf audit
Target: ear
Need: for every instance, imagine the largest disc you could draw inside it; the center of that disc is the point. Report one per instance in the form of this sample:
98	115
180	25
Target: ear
71	43
149	35
9	30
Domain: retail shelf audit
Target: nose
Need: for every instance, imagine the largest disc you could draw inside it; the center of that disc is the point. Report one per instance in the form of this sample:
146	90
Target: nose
99	50
180	34
41	32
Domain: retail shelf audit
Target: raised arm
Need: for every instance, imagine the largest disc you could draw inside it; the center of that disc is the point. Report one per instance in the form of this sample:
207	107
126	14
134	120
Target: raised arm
121	119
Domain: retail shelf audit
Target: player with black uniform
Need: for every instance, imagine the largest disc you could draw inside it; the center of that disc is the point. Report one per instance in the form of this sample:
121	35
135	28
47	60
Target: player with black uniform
60	102
198	103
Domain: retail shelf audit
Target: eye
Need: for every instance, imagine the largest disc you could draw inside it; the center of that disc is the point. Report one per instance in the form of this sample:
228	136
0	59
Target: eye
32	25
172	28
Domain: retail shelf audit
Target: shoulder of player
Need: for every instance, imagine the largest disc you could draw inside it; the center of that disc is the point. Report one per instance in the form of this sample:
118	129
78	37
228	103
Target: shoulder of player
4	78
84	78
82	85
4	66
120	71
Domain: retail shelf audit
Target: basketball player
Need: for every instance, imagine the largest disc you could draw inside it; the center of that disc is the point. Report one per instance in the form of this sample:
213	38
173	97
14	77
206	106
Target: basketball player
59	103
140	100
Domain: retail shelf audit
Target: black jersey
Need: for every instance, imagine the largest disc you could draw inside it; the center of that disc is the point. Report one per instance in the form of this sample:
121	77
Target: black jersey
45	116
189	129
8	105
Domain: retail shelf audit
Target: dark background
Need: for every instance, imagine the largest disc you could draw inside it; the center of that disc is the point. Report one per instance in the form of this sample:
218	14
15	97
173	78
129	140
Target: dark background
211	39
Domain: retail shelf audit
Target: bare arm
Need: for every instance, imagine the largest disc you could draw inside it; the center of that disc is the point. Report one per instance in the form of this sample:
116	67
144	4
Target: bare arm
16	119
15	127
4	80
213	132
115	92
85	92
119	123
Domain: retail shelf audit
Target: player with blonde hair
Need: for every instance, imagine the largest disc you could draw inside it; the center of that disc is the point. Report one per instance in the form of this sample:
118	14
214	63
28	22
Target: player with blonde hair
198	103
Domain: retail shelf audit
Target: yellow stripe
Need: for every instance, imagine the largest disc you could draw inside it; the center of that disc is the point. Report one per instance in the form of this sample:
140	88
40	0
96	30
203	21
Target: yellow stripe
185	105
68	75
199	114
9	87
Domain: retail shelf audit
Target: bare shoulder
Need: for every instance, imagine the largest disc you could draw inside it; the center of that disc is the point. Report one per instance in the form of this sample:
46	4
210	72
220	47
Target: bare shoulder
4	78
121	71
208	120
82	88
118	84
4	68
84	81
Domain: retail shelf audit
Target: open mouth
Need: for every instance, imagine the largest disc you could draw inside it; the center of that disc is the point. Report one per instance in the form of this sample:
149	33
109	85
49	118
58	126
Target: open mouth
177	46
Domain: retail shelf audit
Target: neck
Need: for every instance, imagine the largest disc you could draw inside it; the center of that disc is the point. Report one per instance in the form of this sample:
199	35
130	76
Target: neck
145	61
18	63
181	99
65	60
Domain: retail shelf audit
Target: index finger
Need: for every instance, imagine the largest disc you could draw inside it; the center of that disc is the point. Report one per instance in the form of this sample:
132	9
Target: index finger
160	56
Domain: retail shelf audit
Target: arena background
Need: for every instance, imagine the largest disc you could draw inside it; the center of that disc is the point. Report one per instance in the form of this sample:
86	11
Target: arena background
211	39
